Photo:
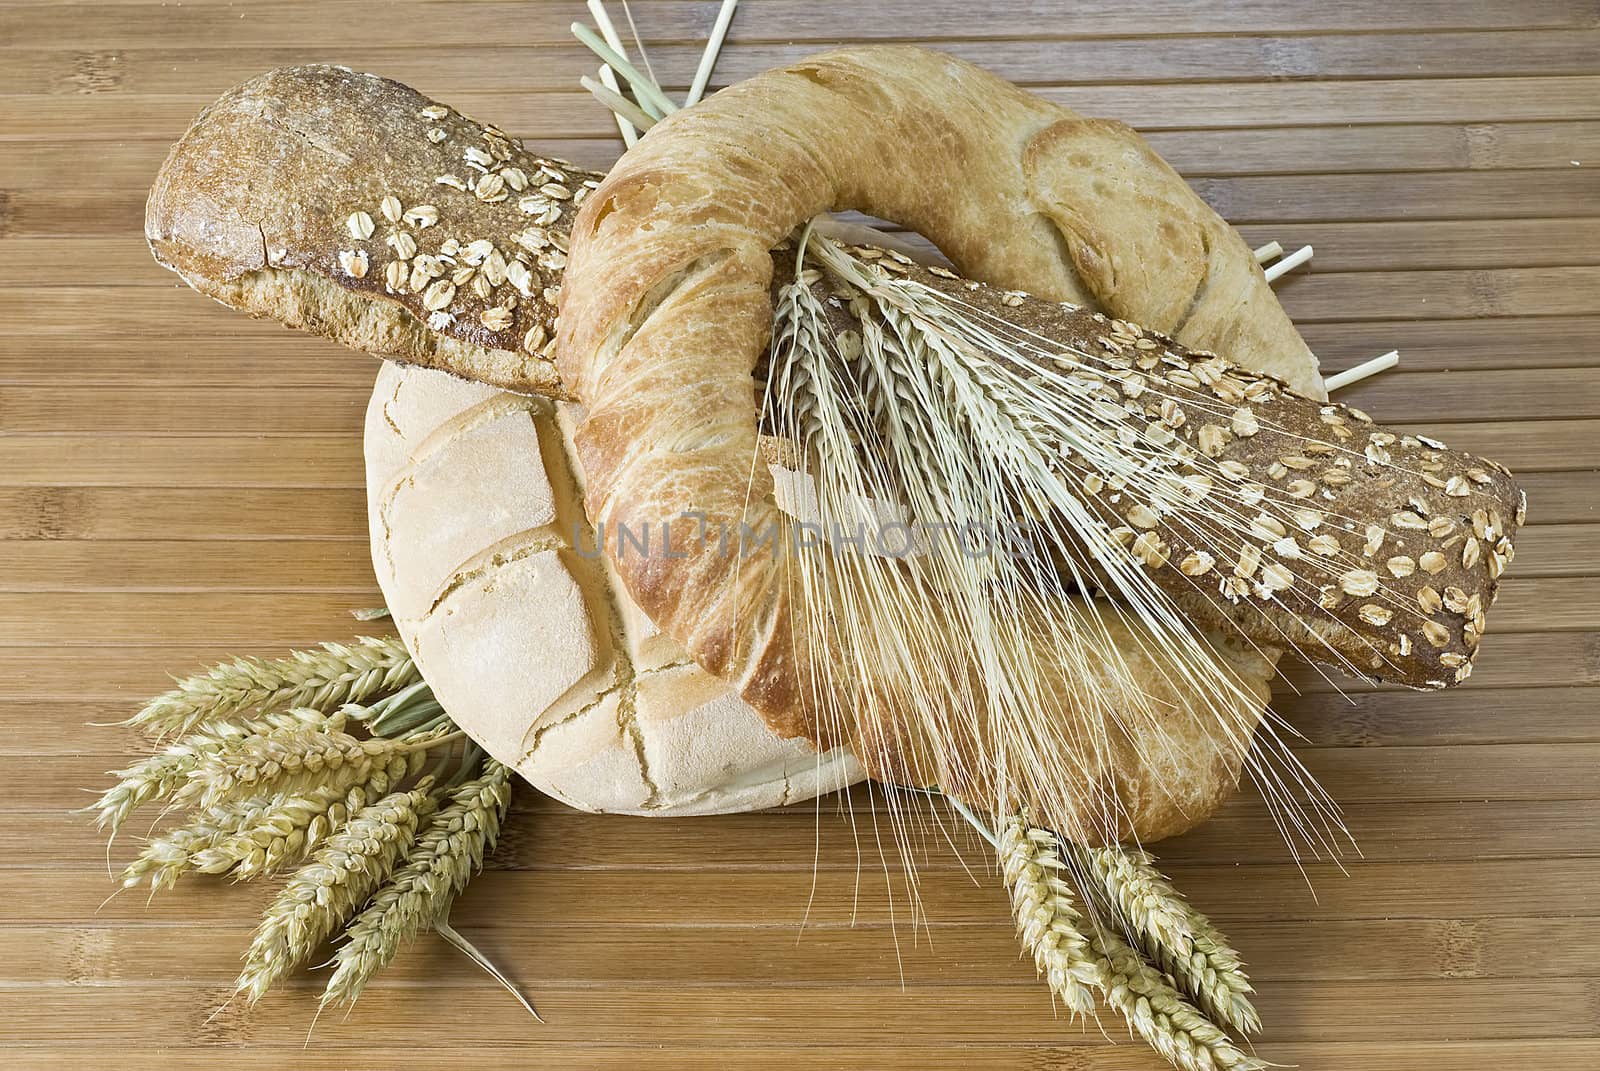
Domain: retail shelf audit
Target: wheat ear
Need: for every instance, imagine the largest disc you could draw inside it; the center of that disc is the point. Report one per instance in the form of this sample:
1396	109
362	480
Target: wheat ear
295	760
1171	1025
297	825
258	835
326	677
1177	938
171	855
321	895
446	855
1048	920
166	772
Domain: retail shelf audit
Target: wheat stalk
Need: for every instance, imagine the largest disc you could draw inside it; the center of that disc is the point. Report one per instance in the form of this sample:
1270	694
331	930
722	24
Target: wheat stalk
935	422
1079	958
169	856
166	772
291	760
257	835
1177	938
1171	1025
324	678
287	784
446	855
1048	920
321	896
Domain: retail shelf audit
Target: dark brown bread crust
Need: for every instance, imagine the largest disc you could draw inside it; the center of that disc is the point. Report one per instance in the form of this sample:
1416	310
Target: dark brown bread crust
1395	542
274	202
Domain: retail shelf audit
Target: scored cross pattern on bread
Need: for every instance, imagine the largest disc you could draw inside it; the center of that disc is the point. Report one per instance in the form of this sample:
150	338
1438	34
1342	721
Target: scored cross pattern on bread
489	570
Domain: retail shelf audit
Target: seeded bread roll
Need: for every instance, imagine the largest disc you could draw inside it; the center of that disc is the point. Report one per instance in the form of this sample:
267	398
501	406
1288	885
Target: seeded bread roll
486	562
354	207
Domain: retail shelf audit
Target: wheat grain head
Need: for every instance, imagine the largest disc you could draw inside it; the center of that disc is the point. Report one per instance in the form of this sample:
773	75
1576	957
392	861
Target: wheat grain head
1048	920
446	855
292	760
1171	1025
1177	938
168	771
334	674
319	897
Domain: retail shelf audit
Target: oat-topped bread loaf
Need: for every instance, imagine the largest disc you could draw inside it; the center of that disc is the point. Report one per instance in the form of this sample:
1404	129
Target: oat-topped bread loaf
489	568
355	207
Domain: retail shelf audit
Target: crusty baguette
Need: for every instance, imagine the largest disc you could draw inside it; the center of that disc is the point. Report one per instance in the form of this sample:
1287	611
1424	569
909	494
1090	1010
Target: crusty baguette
253	207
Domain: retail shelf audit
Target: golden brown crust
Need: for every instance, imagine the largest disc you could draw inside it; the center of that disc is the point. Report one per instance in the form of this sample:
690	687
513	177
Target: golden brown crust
349	205
667	311
1147	248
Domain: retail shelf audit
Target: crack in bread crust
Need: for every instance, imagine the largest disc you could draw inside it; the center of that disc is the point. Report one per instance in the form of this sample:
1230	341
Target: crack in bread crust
665	751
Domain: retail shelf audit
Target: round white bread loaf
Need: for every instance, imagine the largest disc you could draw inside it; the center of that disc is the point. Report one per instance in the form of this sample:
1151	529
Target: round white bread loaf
489	567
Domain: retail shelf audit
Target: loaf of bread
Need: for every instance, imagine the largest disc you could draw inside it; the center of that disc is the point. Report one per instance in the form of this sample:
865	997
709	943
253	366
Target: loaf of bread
354	207
1251	508
486	562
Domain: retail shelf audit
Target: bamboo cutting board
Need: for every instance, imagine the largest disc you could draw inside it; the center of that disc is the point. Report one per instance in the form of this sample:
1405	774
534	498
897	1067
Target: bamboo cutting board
177	484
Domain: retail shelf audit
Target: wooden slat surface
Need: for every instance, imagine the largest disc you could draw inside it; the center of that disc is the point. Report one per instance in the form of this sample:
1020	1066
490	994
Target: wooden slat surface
178	484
